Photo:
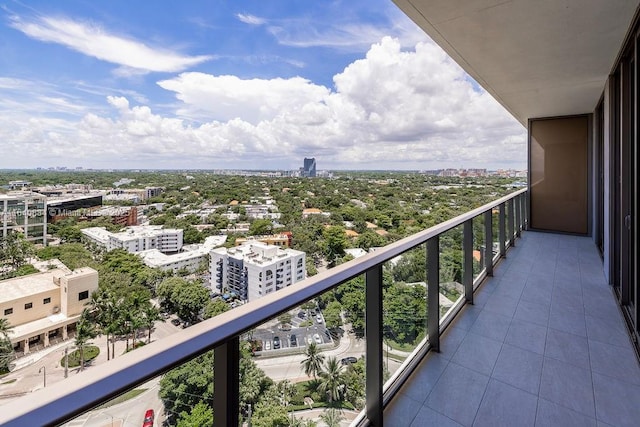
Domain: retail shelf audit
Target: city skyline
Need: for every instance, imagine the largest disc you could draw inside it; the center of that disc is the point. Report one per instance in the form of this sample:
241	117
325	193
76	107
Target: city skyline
224	86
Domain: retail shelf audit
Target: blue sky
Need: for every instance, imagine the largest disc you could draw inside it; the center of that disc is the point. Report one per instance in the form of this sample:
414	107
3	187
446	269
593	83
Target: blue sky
238	84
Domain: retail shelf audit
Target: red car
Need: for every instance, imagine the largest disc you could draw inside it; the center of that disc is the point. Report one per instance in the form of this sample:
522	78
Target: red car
148	418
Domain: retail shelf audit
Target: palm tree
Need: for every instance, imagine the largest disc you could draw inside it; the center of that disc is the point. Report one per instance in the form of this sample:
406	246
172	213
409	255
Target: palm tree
85	331
313	363
332	417
5	327
332	380
6	349
150	315
102	307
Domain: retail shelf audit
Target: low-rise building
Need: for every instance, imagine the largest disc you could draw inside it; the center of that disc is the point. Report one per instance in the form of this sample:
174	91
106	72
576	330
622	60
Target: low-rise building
282	240
255	269
191	258
19	185
136	239
44	307
119	215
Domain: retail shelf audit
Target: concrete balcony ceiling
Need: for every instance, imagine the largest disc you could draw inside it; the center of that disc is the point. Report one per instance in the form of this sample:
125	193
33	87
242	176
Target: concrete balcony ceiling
537	58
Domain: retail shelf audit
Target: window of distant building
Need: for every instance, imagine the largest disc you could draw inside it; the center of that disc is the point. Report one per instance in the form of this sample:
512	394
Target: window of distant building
46	300
8	311
28	305
83	295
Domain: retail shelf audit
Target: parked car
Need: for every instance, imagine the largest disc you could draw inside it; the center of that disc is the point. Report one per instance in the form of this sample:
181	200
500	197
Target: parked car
148	418
317	339
293	340
276	342
267	345
319	318
175	322
302	315
310	339
348	360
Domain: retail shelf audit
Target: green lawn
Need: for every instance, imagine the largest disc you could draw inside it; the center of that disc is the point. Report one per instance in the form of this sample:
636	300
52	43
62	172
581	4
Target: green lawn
308	388
90	353
123	397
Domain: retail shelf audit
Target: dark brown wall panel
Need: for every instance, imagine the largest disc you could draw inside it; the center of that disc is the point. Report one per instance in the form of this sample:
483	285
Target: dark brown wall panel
558	151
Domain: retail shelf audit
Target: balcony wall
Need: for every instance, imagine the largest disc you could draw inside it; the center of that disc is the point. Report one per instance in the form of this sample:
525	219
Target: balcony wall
544	344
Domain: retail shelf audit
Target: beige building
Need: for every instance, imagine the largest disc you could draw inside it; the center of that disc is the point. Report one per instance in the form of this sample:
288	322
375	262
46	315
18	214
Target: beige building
282	240
45	307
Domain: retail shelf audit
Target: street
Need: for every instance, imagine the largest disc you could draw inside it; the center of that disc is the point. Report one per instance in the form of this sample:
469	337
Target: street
32	371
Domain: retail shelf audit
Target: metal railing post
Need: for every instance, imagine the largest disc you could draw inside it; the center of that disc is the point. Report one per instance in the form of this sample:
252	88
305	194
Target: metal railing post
525	209
373	331
467	254
433	299
510	222
226	383
502	231
488	242
518	202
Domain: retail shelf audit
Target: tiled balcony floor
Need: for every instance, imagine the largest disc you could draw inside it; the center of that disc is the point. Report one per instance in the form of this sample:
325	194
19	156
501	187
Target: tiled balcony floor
544	345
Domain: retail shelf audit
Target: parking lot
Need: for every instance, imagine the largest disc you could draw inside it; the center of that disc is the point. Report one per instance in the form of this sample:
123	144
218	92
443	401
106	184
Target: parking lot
302	331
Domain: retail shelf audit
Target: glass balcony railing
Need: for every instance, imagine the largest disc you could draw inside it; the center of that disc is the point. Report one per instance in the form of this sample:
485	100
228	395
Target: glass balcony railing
434	271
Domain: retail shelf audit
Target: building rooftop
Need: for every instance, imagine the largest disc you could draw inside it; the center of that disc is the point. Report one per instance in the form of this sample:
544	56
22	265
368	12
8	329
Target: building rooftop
13	195
18	287
98	233
256	252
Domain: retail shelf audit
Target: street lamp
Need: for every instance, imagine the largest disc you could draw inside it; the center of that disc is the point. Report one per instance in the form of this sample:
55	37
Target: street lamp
66	361
44	376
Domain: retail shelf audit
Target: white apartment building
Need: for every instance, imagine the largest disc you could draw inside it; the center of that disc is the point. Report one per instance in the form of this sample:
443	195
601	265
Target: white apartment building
190	258
136	238
43	307
255	269
24	212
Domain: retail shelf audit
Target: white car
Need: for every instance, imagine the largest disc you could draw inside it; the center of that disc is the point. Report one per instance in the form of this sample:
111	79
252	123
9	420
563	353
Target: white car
317	339
267	345
319	318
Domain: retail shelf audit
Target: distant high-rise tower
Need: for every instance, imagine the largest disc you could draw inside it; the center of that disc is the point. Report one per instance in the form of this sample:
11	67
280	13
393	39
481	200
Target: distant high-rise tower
309	168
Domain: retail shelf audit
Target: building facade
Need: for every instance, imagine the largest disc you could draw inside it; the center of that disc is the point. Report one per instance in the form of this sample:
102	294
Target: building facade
45	306
26	213
255	269
136	239
191	257
309	167
282	240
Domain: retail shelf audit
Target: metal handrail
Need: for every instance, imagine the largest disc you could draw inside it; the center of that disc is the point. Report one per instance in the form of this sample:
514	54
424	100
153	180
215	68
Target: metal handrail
63	401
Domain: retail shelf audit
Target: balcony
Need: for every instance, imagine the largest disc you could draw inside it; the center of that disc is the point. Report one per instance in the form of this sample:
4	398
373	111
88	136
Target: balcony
544	344
535	337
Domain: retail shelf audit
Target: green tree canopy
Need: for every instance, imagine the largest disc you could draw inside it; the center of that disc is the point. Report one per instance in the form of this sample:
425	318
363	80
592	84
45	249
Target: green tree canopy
185	298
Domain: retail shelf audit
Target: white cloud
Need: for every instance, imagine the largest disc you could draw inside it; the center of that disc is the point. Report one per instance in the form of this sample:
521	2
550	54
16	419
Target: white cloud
250	19
344	34
224	98
134	57
392	109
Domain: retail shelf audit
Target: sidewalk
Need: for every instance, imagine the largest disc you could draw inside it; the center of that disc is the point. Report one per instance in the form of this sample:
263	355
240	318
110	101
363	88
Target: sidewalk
30	372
